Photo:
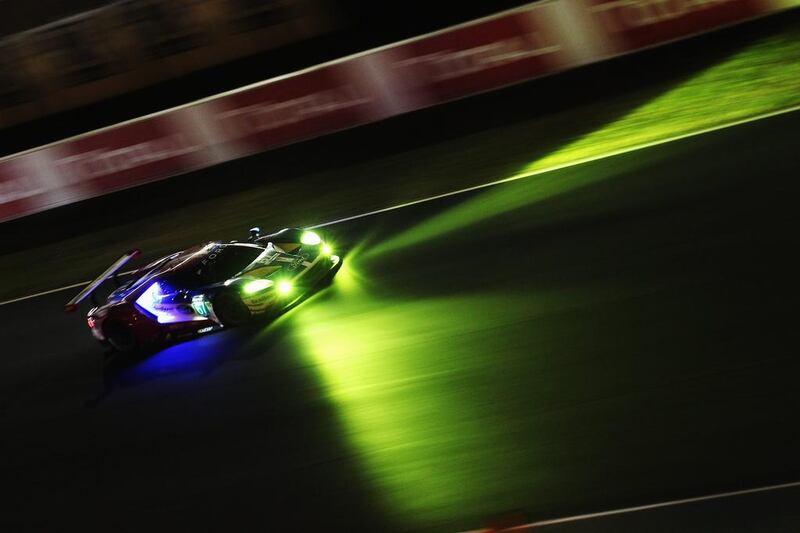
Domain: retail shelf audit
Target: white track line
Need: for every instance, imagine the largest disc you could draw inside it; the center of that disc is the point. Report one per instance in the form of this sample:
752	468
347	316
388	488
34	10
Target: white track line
625	510
554	168
51	291
576	163
44	293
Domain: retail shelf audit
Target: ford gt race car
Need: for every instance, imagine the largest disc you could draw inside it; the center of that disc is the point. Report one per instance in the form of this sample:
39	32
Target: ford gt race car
206	288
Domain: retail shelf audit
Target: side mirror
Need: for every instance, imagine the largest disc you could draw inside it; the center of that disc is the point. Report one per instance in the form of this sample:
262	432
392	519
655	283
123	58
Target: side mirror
255	233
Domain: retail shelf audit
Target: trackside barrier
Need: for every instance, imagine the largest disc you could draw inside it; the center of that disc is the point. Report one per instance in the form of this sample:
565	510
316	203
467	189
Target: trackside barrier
514	46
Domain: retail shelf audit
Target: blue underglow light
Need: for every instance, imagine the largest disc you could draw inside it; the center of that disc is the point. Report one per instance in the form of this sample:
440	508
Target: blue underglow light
150	298
186	359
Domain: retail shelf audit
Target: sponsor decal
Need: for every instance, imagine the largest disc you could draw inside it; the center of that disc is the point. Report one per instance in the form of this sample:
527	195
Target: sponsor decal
260	272
272	115
449	64
123	156
23	186
107	161
211	256
291	109
266	257
482	56
638	23
15	187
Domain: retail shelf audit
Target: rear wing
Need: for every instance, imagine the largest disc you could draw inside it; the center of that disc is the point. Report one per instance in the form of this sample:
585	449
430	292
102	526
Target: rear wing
72	305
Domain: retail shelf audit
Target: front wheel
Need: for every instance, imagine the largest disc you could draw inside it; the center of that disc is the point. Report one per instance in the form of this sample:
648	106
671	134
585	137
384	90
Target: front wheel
327	280
230	310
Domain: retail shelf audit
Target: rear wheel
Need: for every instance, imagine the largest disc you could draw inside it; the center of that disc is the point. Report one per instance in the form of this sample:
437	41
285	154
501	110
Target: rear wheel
120	336
230	310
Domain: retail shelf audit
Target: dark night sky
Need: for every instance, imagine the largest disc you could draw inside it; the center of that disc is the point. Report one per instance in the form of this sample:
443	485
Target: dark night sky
18	16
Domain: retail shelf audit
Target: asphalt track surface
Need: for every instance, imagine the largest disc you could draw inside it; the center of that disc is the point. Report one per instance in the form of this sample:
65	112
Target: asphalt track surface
535	346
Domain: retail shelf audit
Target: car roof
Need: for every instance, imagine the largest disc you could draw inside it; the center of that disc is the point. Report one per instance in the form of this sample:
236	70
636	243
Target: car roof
185	261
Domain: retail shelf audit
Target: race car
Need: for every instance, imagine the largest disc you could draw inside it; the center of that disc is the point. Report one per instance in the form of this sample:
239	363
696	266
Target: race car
207	287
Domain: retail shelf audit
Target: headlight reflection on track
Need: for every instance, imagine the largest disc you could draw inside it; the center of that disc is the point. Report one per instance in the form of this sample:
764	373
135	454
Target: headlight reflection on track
396	370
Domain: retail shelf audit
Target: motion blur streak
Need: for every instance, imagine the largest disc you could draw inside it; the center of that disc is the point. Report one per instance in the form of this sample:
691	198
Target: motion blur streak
186	360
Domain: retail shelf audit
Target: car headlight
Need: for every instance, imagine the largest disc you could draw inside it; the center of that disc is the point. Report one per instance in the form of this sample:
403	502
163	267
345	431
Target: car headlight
310	238
284	287
256	285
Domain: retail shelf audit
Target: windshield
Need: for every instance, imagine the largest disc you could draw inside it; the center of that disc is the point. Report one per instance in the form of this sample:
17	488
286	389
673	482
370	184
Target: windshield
213	265
192	269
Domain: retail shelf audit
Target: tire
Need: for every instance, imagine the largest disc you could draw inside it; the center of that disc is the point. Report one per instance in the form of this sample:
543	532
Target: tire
230	310
120	336
327	280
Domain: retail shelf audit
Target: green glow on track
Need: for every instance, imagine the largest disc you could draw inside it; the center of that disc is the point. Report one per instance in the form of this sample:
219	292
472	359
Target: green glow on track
421	434
412	437
736	88
434	421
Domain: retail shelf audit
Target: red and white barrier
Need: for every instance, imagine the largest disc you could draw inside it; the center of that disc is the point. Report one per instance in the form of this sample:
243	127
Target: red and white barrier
511	47
634	24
